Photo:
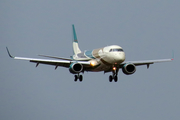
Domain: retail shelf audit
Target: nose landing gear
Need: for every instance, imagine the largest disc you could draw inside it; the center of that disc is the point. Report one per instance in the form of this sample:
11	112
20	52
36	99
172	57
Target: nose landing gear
114	76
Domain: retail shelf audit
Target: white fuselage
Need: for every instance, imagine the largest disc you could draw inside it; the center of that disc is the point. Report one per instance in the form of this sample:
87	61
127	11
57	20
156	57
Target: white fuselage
103	58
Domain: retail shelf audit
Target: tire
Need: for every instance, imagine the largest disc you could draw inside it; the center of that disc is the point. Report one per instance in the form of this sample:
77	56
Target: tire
110	78
75	78
80	78
115	78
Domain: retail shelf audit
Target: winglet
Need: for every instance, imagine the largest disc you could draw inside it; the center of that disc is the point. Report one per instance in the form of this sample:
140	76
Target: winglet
172	55
9	53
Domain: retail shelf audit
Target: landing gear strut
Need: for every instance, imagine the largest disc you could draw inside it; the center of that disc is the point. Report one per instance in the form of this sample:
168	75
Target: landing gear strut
76	77
114	76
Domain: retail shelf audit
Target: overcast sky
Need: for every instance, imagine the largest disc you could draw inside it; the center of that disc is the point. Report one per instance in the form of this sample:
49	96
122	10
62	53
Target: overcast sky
145	29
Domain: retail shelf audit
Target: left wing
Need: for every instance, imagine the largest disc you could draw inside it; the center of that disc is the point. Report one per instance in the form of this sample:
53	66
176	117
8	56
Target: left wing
62	62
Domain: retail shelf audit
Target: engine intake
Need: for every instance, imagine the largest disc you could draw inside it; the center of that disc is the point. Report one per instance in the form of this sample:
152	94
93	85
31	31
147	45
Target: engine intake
129	69
75	68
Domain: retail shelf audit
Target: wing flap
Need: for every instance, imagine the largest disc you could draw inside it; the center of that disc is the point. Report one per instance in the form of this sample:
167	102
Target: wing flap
42	60
52	62
56	57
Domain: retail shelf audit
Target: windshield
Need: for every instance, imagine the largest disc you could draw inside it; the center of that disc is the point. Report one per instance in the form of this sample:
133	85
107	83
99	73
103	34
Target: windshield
116	50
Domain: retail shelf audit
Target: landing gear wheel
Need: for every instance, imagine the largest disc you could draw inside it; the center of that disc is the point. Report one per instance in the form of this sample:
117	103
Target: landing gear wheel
110	78
115	78
75	78
80	78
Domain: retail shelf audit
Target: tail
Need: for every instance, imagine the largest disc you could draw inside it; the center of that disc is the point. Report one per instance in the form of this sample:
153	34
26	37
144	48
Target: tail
76	49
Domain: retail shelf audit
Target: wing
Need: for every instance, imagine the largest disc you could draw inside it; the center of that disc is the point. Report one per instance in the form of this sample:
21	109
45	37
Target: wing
56	57
145	62
61	62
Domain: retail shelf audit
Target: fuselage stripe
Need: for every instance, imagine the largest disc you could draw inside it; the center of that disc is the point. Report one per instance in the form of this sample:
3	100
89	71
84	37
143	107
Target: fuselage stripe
89	54
95	53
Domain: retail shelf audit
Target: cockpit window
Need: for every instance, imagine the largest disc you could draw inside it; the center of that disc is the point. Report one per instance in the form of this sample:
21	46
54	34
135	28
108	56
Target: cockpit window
116	50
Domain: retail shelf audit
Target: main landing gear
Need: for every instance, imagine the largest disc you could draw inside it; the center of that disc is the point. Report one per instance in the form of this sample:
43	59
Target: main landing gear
111	78
76	77
114	76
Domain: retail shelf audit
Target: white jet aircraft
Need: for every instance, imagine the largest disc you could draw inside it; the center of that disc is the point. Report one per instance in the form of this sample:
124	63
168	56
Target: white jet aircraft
107	59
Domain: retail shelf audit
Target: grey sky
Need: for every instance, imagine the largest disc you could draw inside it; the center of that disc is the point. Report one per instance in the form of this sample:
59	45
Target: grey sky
145	30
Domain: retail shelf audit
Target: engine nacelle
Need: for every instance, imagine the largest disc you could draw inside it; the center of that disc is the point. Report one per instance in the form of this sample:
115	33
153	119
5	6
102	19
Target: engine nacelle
129	69
75	68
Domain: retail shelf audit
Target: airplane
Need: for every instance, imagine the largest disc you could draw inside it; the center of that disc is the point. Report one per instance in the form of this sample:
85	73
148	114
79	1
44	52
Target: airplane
107	59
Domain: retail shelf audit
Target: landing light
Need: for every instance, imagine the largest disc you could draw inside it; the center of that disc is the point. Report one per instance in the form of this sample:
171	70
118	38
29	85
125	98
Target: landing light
114	68
92	63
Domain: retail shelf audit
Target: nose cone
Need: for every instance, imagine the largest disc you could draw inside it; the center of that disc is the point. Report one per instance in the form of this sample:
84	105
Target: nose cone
119	57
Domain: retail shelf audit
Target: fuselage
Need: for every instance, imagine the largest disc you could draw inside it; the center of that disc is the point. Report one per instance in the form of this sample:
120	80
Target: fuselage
103	58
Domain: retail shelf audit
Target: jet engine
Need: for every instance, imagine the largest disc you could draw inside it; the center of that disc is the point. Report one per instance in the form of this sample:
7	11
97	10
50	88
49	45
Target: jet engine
129	69
75	68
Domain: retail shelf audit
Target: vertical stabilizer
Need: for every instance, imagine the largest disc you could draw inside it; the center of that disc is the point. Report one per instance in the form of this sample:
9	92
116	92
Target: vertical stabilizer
75	42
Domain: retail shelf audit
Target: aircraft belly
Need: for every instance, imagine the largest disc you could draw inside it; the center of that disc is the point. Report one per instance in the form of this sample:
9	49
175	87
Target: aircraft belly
100	67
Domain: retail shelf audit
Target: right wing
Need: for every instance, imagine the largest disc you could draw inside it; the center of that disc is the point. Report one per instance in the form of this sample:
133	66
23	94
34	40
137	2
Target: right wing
62	62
